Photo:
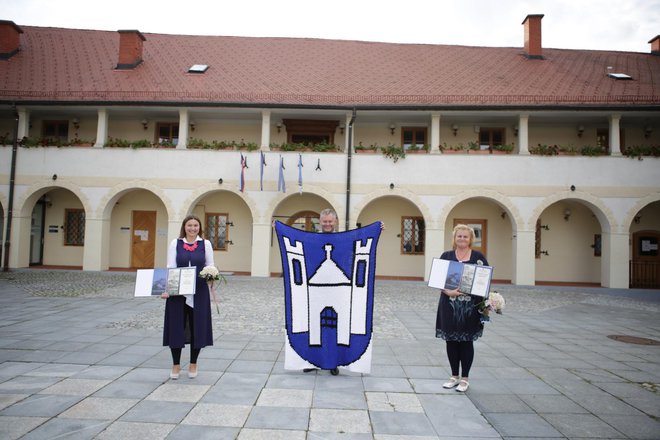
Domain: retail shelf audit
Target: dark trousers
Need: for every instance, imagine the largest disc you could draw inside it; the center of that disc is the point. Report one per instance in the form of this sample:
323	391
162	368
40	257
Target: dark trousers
194	352
460	353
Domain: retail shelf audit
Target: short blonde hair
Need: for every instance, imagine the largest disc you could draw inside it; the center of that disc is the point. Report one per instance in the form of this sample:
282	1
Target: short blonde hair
462	227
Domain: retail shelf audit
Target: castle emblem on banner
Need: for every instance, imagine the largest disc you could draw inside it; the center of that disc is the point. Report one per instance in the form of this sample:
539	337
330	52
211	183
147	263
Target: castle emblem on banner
328	284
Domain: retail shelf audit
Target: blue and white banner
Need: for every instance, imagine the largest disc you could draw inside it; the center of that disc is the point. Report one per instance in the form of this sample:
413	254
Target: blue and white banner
328	297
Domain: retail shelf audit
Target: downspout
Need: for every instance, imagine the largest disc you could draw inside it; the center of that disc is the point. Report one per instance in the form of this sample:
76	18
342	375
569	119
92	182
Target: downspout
10	204
348	168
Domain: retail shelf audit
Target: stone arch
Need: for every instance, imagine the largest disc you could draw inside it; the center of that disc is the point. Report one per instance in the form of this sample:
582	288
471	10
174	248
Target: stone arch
310	189
405	194
4	202
38	189
107	202
204	190
503	201
641	204
603	213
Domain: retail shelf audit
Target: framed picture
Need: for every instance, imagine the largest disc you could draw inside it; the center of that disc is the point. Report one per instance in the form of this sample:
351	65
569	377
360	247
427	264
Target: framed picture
480	232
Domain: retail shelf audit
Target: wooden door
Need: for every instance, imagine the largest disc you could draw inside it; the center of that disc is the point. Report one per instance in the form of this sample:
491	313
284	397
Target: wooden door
645	264
143	248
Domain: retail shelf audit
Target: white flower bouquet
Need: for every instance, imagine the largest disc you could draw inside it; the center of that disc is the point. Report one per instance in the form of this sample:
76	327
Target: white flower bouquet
212	274
494	303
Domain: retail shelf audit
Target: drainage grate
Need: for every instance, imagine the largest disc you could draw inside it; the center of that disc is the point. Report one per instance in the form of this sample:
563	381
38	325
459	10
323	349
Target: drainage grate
634	340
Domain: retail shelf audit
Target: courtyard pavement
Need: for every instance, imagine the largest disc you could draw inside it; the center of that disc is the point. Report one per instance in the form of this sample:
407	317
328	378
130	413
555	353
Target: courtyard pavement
81	358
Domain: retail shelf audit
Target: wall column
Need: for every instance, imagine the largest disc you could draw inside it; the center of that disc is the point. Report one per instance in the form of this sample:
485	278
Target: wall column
96	253
435	246
435	133
260	249
615	135
19	251
265	130
101	128
614	260
523	135
524	261
23	123
184	129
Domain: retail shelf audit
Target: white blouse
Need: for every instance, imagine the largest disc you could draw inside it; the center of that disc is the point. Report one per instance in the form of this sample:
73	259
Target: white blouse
171	260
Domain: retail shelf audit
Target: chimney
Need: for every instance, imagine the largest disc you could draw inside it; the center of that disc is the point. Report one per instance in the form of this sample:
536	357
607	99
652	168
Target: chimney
130	49
655	45
533	49
9	39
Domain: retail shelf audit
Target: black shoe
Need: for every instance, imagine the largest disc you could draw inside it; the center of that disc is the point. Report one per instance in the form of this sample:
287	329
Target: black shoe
334	371
308	370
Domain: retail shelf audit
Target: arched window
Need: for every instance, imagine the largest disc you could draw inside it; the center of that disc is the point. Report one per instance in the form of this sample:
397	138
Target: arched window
305	221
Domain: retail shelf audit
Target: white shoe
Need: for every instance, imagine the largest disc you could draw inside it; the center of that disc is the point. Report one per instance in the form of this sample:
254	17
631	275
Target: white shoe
463	386
451	383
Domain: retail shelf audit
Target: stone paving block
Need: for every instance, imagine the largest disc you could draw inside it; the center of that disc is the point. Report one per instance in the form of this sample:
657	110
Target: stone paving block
582	425
11	369
293	380
41	405
391	402
239	366
56	370
387	384
99	408
339	421
428	386
101	372
286	398
157	412
12	427
9	399
339	399
637	427
268	417
198	432
605	404
255	355
135	431
649	404
552	404
174	392
75	387
272	434
455	415
71	429
213	414
140	374
401	423
27	384
127	390
425	372
341	382
522	425
387	371
416	437
497	403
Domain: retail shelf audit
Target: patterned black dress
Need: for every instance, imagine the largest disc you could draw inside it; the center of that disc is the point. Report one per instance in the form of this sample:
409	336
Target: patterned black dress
457	318
177	329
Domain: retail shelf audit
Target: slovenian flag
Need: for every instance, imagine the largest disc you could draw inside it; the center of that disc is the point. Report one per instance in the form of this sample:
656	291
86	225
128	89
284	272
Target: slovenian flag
243	166
300	180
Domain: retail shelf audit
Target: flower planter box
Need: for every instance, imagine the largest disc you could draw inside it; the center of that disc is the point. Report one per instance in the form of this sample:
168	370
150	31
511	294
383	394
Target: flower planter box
454	152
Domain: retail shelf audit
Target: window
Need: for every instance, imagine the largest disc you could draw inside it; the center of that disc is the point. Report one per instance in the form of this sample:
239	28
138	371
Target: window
413	136
412	235
74	227
490	137
168	133
310	132
603	138
56	131
480	232
217	231
305	221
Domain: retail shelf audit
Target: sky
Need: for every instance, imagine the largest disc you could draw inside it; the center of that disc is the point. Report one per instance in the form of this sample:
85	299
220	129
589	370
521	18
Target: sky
621	25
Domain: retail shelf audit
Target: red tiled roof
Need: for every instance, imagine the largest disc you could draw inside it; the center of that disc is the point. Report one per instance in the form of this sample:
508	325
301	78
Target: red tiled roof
71	65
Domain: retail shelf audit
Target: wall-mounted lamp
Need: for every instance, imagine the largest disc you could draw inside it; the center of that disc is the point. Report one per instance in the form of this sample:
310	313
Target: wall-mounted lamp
580	130
54	177
392	128
391	185
515	131
637	219
503	214
454	129
144	123
220	181
546	227
230	242
647	131
279	127
546	253
572	187
567	214
76	123
230	224
192	125
341	128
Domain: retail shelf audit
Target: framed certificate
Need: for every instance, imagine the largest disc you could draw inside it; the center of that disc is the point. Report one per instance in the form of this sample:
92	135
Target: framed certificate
174	281
467	278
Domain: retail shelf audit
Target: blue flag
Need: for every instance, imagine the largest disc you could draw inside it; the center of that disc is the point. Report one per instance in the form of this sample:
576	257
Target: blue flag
263	164
281	185
300	165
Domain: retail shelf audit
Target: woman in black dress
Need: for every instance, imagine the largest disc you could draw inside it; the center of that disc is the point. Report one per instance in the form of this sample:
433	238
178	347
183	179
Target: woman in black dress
458	321
188	317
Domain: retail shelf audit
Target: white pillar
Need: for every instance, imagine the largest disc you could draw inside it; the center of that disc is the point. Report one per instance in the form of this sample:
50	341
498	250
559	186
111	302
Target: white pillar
523	135
101	128
435	246
524	260
347	120
96	254
184	126
265	130
260	249
23	123
19	250
615	254
615	135
435	133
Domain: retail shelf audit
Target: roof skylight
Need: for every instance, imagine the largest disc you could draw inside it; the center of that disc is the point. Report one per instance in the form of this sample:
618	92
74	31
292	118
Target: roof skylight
619	76
198	68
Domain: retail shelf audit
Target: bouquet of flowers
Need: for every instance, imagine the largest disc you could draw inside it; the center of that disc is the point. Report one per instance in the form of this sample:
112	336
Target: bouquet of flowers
212	274
493	303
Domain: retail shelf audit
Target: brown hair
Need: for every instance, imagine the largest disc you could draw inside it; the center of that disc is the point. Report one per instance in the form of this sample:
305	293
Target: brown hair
182	233
462	227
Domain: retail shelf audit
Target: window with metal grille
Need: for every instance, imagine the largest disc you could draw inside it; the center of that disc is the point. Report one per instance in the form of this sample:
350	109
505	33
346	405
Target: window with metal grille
74	227
217	231
412	235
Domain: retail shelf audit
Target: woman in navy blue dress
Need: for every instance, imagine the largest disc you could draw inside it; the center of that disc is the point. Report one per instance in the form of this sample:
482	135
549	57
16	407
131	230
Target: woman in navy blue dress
188	317
458	321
